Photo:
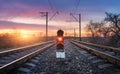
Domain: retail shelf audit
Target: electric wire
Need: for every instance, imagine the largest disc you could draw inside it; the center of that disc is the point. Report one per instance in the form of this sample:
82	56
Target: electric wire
51	6
76	6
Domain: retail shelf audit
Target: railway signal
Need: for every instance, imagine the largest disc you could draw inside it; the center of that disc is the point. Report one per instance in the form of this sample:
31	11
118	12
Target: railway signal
60	53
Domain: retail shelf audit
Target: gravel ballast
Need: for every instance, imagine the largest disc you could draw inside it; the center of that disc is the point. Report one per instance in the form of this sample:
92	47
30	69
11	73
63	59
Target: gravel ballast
75	62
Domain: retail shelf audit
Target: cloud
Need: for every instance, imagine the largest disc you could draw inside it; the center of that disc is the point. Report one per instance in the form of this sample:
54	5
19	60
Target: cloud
15	9
89	9
11	25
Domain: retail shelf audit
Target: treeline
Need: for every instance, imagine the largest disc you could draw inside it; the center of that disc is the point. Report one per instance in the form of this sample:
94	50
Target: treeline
8	40
106	32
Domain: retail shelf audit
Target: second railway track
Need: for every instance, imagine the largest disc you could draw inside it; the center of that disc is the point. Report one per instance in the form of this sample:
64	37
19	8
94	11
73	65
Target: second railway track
111	56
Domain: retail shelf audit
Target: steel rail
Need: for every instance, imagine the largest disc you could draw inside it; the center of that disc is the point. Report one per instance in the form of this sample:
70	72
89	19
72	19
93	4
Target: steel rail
117	50
10	51
18	62
109	57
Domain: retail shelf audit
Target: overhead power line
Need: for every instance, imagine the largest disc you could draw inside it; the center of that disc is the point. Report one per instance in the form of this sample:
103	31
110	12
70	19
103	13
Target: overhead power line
51	6
79	23
76	7
54	15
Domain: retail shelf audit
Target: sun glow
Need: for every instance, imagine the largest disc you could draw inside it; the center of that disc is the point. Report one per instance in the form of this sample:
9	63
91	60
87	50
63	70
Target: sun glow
24	34
6	31
21	34
68	27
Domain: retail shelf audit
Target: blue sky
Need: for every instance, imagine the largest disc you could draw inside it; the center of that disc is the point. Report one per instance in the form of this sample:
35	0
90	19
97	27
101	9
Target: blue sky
86	7
18	10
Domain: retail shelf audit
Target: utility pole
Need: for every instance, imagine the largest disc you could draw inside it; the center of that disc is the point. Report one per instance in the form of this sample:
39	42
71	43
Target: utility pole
74	34
46	14
46	26
79	24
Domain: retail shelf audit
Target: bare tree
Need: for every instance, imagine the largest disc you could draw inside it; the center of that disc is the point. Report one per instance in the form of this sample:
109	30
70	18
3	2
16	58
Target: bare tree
108	30
104	31
95	28
114	20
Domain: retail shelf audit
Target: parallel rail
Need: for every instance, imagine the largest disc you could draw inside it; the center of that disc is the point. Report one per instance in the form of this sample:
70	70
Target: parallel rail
109	57
101	46
23	59
10	51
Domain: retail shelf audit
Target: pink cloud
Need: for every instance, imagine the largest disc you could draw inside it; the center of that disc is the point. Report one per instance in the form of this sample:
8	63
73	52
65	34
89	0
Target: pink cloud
20	10
11	25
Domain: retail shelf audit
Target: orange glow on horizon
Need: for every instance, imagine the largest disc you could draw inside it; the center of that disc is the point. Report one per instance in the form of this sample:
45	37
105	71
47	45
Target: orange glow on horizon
83	33
52	32
25	34
42	33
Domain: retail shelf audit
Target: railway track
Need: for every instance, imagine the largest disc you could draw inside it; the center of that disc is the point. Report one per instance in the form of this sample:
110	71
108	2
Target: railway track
15	57
108	53
116	50
77	61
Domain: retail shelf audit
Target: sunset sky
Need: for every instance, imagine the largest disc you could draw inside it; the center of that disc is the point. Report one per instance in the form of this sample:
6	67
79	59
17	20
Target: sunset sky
24	14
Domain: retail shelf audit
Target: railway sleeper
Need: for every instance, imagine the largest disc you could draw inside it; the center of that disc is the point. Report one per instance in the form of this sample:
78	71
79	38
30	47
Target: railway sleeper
87	54
34	61
105	66
23	70
29	65
92	57
97	61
